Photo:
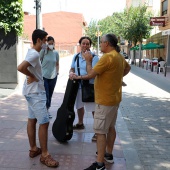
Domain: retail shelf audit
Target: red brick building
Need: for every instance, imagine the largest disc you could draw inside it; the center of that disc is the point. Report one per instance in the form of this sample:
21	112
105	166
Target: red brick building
65	27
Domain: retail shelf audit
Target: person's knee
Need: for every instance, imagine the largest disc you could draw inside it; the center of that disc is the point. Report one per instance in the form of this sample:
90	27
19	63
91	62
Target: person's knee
80	110
45	125
32	121
112	130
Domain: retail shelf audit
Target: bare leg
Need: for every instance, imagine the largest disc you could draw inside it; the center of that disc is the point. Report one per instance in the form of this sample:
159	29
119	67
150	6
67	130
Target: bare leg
31	131
101	147
43	137
111	136
80	115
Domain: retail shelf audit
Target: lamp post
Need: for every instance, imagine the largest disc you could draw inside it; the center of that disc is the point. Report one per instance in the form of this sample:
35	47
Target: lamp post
98	37
38	14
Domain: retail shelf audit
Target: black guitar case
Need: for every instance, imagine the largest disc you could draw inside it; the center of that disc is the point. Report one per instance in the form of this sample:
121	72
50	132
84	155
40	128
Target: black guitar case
62	128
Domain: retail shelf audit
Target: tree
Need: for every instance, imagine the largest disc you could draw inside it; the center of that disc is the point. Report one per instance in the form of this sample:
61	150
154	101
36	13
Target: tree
105	26
11	16
137	25
91	32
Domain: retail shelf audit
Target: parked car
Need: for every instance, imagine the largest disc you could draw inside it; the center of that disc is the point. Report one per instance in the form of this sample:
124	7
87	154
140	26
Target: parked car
124	54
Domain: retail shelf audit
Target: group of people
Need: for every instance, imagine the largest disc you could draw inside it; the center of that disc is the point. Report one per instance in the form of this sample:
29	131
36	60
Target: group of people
105	73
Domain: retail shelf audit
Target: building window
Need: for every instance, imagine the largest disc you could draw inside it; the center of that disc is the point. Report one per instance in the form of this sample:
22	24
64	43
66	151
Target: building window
135	3
149	2
164	7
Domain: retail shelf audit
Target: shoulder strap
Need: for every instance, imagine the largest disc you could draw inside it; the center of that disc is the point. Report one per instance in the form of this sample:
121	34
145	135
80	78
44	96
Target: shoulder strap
76	57
78	68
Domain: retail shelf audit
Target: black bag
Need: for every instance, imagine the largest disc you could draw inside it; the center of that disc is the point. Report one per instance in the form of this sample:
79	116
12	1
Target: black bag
87	91
87	88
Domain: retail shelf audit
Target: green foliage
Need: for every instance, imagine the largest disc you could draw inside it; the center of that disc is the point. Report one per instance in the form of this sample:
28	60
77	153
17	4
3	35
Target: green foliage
91	32
137	25
132	24
11	16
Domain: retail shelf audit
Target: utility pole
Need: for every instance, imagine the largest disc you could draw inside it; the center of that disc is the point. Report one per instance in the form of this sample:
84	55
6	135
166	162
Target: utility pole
38	14
98	38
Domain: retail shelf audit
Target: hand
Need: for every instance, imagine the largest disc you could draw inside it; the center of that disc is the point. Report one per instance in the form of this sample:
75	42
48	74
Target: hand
88	56
31	79
76	77
71	75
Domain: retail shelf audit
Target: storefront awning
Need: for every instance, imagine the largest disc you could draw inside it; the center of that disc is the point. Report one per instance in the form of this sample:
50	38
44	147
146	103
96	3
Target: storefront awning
151	45
136	47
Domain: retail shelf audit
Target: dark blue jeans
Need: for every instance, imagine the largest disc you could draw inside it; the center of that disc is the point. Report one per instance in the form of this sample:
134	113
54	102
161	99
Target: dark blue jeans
49	85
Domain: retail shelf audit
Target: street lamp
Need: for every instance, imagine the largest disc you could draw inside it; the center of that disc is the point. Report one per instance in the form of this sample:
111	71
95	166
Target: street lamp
98	37
38	14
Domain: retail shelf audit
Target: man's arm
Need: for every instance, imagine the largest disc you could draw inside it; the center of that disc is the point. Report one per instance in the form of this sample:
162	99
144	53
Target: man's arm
90	72
126	70
23	69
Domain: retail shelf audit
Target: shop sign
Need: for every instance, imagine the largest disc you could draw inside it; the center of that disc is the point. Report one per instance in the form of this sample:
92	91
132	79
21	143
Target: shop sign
157	21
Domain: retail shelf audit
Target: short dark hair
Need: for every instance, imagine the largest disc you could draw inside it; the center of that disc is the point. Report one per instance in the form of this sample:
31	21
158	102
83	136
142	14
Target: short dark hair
38	33
49	38
112	39
85	37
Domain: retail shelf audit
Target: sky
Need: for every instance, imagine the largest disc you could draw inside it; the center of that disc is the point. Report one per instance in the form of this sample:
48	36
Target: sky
91	9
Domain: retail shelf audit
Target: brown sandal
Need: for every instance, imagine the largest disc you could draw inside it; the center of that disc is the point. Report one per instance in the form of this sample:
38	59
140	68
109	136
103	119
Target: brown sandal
33	154
49	161
78	126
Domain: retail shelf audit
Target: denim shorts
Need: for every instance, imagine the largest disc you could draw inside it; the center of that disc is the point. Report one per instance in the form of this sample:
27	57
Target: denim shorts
37	107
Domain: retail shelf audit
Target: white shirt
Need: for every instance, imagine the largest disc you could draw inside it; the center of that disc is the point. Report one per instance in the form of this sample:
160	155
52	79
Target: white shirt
36	87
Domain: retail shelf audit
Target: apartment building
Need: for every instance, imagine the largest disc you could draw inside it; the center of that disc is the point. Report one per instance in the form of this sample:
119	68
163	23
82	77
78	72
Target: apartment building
165	12
65	27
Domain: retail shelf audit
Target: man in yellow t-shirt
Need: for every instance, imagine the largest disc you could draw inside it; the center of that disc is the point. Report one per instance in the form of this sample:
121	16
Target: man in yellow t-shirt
108	73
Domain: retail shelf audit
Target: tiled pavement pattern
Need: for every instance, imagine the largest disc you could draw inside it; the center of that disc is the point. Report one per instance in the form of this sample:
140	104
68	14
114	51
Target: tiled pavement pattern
76	154
146	111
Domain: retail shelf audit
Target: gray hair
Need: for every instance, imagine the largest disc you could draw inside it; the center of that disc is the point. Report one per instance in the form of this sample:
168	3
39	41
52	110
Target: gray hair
112	39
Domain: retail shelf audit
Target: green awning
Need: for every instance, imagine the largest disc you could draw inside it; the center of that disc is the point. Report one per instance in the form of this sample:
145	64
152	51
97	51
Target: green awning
151	45
136	47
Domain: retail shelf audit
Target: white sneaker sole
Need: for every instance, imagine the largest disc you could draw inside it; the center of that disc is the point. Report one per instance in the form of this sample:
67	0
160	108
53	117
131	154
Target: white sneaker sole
109	161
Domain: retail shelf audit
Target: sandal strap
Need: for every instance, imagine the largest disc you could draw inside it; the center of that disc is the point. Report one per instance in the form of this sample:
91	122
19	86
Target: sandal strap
33	154
78	126
49	161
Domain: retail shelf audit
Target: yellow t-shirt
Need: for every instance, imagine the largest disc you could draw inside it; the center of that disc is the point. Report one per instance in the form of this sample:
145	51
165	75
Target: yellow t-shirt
108	82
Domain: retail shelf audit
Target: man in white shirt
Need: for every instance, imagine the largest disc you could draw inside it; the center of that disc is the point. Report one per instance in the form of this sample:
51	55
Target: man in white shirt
34	92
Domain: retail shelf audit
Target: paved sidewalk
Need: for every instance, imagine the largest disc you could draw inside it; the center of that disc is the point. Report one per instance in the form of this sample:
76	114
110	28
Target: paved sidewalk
77	154
146	111
143	135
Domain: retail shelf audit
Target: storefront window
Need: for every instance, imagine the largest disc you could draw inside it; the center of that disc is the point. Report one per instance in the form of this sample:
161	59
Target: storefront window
164	7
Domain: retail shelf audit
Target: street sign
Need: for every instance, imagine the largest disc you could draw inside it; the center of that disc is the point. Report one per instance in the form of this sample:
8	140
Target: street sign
157	21
98	34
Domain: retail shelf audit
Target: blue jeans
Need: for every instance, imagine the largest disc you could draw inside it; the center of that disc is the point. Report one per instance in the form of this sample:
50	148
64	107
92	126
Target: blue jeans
49	85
